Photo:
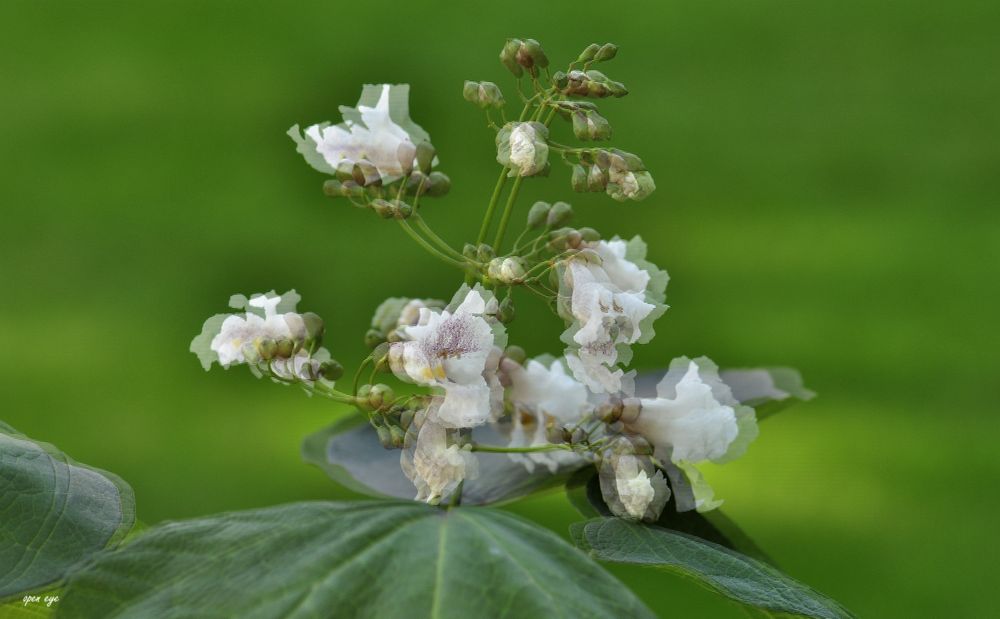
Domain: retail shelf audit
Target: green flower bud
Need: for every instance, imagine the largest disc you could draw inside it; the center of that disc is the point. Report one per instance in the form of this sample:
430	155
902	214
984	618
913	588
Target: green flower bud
345	170
555	434
515	353
333	188
365	173
353	190
266	348
425	156
589	53
406	418
560	214
537	214
373	338
560	79
439	184
606	52
505	313
578	179
470	91
531	55
523	148
483	94
383	208
398	436
580	128
384	437
285	349
597	179
469	251
485	253
508	56
331	370
402	210
590	235
380	395
417	183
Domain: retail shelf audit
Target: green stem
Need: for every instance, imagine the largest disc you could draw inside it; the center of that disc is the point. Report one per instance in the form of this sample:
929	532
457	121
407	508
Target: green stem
507	211
520	450
494	200
422	225
430	248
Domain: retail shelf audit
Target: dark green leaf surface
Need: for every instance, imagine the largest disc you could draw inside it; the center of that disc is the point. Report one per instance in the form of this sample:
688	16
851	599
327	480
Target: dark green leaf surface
382	559
350	453
731	574
53	513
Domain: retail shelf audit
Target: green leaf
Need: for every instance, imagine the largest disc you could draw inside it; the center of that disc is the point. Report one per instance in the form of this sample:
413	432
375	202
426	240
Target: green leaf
727	572
54	512
350	453
584	492
381	559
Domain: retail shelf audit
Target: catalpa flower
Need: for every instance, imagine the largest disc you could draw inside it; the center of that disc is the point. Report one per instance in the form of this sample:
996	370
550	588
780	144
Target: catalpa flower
693	419
630	484
432	460
522	147
543	396
610	304
378	131
458	350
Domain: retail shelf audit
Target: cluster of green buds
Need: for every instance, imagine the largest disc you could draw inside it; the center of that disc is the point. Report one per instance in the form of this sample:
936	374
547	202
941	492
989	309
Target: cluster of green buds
591	83
588	124
361	183
484	94
545	215
620	174
597	53
520	55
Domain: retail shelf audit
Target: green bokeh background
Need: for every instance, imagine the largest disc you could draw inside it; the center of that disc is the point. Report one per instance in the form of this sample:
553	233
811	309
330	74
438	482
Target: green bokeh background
828	199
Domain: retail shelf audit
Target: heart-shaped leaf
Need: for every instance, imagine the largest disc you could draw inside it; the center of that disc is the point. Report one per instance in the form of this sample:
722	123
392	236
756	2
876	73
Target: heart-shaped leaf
350	453
727	572
53	513
381	559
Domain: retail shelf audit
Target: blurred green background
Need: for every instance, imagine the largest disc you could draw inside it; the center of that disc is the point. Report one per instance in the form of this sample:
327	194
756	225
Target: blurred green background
828	199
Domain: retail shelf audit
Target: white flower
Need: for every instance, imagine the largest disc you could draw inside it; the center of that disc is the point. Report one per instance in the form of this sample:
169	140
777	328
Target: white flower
368	132
630	484
435	467
543	396
231	339
302	366
610	306
523	148
458	351
694	417
549	391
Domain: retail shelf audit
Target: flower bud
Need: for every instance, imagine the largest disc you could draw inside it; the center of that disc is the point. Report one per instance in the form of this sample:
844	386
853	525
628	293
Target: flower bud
606	52
333	188
266	348
597	179
589	53
402	210
537	214
373	338
438	184
380	395
631	407
531	56
425	156
285	349
485	253
398	436
508	56
350	189
560	214
331	370
406	418
469	251
384	437
345	170
365	173
590	235
505	313
560	79
578	179
508	270
523	147
555	434
383	208
483	94
515	353
417	183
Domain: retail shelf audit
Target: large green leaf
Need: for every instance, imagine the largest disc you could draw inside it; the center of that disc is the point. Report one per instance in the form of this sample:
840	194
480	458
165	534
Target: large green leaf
731	574
54	512
382	559
350	453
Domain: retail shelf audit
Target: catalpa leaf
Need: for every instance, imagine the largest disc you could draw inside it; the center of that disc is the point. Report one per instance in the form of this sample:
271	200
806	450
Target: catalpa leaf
54	512
383	559
725	571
